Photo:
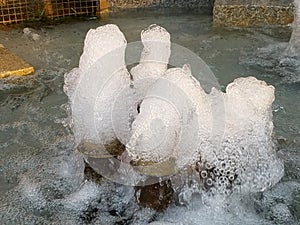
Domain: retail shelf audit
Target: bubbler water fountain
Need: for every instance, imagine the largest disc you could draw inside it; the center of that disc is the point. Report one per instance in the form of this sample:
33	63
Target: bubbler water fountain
167	122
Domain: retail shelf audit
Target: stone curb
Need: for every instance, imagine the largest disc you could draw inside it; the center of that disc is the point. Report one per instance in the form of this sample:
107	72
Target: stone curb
12	65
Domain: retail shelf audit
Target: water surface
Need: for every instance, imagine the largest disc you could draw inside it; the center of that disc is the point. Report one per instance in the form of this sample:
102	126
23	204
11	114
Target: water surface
36	144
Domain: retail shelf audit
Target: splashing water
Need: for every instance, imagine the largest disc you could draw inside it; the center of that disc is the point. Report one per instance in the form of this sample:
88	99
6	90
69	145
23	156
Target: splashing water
293	49
176	119
281	59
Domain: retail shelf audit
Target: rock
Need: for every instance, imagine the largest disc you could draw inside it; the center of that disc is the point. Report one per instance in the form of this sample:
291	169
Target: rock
282	199
35	37
115	148
281	214
295	207
157	169
101	158
31	33
91	175
27	31
157	196
282	141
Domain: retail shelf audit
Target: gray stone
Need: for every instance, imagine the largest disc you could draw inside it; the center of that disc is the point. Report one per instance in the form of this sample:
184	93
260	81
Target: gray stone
246	13
116	5
281	214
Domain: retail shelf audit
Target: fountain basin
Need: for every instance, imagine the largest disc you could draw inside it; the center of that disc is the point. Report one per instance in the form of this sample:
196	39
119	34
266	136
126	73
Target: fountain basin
33	117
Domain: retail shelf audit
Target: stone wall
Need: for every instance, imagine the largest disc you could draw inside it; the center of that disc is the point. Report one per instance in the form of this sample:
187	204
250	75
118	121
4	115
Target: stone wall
245	13
116	5
239	13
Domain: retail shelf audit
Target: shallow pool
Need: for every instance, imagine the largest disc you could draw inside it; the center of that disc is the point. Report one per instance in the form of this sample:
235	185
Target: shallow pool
39	169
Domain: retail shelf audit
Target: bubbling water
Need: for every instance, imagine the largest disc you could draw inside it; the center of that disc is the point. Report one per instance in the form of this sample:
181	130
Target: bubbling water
175	120
179	125
87	88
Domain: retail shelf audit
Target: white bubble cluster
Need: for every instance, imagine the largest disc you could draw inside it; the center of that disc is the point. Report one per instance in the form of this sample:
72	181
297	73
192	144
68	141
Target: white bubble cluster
93	86
244	158
98	87
166	115
179	123
169	122
294	43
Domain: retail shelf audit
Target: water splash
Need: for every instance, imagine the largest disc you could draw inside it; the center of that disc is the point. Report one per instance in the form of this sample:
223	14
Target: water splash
179	126
293	49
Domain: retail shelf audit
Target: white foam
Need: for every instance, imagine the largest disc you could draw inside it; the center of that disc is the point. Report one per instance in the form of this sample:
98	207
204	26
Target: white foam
293	49
168	125
176	120
94	86
154	59
229	135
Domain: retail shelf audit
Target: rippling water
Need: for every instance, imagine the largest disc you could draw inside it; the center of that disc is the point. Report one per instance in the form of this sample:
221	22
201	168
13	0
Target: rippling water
39	170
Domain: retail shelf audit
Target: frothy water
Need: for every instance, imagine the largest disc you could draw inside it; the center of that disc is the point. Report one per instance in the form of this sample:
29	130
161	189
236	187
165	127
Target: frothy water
294	44
174	118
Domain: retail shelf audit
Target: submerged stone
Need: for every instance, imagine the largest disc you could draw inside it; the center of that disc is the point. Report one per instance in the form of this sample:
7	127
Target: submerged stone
90	149
157	196
101	157
281	214
157	169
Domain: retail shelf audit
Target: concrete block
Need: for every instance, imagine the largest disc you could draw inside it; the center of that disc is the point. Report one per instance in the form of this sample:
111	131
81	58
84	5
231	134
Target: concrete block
248	13
12	65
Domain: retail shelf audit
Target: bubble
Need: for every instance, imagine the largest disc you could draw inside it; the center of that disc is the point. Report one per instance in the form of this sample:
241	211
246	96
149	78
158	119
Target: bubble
208	166
203	174
209	182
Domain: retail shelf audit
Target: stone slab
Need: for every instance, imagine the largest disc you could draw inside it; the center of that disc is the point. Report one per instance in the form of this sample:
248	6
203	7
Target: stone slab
284	3
12	65
247	13
118	5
